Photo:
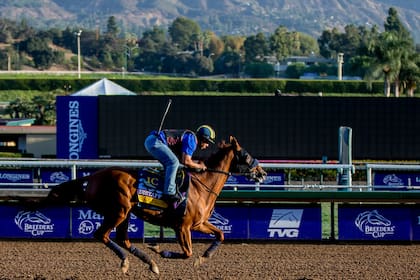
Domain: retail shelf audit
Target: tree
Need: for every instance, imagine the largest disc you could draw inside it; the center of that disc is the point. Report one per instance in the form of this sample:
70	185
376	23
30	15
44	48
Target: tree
184	33
41	108
256	48
229	62
392	51
280	43
234	43
295	70
112	29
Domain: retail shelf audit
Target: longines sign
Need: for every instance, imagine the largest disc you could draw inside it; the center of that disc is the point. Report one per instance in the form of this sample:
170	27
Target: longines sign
77	132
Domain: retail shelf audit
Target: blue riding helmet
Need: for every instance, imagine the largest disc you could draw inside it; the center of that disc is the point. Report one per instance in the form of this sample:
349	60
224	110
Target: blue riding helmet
207	133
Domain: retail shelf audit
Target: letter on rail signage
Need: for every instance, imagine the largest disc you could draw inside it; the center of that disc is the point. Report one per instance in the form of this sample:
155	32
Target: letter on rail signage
77	127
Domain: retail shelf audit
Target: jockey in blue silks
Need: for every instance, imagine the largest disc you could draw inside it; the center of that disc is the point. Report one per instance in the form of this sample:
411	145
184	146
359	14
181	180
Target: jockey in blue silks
174	146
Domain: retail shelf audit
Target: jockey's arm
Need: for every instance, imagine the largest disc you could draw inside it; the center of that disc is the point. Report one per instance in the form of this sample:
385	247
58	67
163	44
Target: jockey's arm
190	163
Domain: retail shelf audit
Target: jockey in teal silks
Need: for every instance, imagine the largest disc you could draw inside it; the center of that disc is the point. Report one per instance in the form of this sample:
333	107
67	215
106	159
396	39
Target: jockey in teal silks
174	146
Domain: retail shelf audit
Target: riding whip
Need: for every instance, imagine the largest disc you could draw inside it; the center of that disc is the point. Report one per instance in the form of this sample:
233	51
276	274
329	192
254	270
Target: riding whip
164	114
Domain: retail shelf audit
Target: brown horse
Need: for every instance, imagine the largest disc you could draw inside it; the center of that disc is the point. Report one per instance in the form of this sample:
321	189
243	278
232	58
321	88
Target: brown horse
112	192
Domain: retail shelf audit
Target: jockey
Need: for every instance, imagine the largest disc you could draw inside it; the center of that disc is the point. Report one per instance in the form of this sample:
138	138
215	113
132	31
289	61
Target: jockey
172	146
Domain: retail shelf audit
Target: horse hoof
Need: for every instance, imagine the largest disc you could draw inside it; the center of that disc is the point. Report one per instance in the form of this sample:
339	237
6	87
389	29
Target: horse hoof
199	261
125	265
153	267
154	248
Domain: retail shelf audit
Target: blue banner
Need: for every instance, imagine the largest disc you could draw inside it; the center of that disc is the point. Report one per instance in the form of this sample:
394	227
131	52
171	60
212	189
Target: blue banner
288	223
231	220
55	176
374	223
85	222
272	180
395	181
17	222
16	176
77	127
415	221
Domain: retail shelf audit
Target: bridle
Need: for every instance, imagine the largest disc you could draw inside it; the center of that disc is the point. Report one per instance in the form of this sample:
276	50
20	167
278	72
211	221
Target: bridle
240	156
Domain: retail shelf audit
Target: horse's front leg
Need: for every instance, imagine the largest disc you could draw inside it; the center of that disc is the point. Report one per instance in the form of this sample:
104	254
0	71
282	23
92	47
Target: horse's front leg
208	228
183	236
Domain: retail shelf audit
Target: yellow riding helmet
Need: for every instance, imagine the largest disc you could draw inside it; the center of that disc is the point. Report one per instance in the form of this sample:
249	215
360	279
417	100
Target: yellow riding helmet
207	133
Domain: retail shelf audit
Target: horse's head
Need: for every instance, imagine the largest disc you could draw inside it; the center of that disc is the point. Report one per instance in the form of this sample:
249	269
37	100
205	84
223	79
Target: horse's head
244	163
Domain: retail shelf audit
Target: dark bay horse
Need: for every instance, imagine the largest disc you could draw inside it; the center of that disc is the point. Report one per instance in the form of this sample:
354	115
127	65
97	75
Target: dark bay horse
112	192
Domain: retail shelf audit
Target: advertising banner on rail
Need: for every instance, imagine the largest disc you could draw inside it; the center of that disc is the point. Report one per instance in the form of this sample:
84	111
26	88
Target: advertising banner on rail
60	175
395	181
286	222
77	127
85	222
17	222
240	181
415	221
378	223
16	176
277	222
233	221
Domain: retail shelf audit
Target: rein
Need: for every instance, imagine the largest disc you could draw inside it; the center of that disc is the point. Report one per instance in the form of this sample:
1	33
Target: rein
207	188
210	190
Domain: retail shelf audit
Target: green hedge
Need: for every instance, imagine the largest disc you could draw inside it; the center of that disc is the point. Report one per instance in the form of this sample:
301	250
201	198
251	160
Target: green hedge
201	85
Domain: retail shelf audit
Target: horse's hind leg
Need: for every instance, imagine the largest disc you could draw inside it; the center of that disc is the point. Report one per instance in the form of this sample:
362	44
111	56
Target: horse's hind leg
122	240
102	234
208	228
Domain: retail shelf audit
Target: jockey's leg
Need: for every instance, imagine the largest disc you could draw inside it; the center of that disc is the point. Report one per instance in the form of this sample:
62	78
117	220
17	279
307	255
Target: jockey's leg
167	158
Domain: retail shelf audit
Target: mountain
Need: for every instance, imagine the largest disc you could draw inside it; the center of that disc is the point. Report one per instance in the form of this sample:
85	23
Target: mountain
221	16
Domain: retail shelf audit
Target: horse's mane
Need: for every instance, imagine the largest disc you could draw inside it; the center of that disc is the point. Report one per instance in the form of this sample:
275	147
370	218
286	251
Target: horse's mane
217	156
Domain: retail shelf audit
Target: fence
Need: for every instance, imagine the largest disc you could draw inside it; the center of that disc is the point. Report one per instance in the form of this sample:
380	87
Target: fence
303	199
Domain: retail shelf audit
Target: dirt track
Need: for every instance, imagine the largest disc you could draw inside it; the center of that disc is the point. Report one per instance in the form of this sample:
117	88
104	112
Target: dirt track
92	260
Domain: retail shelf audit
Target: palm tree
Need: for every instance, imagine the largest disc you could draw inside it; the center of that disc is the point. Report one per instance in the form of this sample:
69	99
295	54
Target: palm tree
389	54
410	73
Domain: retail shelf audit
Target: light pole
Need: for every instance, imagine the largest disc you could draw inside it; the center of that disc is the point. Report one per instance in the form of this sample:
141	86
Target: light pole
128	52
78	52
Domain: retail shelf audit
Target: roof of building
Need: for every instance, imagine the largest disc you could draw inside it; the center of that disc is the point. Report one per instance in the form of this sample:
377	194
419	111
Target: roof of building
103	87
34	129
17	122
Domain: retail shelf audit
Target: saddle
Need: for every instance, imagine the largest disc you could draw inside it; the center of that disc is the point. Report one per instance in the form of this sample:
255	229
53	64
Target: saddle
150	187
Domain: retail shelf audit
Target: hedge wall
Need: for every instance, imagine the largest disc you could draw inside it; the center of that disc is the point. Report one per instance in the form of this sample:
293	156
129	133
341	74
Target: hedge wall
203	85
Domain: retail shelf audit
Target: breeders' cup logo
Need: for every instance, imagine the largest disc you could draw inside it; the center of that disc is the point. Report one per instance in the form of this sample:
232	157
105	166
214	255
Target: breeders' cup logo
90	221
285	223
34	223
232	180
59	177
220	222
374	224
393	180
76	132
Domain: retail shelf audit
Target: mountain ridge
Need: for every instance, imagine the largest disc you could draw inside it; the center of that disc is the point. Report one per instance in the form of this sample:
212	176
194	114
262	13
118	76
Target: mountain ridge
221	16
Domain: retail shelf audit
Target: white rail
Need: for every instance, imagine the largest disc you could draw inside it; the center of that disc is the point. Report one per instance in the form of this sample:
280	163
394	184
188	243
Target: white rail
77	164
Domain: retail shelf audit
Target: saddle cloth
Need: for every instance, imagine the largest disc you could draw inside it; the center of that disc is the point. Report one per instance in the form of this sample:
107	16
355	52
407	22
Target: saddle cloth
150	187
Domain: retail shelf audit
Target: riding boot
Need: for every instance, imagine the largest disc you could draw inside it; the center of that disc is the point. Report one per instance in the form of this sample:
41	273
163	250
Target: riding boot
173	200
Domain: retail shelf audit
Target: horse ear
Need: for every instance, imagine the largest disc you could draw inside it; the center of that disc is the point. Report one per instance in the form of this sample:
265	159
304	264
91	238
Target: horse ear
234	142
